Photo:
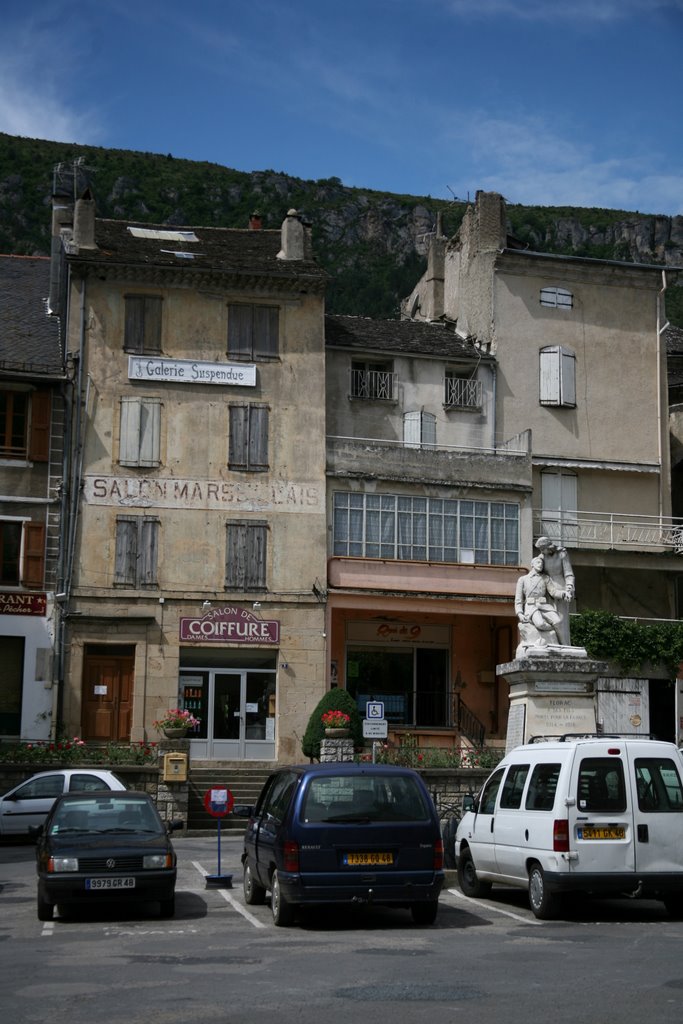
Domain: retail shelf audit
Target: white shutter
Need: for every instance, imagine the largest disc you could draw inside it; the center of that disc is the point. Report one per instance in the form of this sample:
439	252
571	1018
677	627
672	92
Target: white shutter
129	443
559	504
150	422
568	377
428	428
549	376
411	429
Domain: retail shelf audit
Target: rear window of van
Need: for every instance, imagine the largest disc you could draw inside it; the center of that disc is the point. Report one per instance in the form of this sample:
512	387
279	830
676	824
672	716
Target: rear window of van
356	797
601	785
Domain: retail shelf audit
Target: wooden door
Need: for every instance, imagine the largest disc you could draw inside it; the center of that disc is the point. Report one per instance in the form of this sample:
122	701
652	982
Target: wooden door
107	695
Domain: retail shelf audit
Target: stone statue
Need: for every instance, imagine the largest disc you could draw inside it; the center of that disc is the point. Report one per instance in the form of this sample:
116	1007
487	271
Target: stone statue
557	566
537	611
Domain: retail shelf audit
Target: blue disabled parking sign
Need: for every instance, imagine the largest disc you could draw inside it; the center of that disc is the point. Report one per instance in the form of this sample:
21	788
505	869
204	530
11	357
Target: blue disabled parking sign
374	709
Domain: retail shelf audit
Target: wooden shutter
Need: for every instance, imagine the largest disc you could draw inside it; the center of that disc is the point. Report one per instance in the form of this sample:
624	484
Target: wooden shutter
236	560
39	440
34	556
411	429
567	377
246	556
142	323
126	556
266	331
240	326
428	430
256	557
258	437
129	440
148	551
239	435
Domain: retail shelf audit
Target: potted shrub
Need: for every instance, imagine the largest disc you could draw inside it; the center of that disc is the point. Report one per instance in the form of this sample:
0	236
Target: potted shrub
336	699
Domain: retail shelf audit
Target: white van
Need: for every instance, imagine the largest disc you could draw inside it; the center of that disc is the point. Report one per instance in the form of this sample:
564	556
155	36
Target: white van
600	815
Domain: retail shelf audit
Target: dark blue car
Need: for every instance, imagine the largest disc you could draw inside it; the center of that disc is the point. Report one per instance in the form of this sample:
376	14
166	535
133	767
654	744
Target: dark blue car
346	834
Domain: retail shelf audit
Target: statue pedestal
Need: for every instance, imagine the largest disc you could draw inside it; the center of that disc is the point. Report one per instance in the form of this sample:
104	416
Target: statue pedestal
552	693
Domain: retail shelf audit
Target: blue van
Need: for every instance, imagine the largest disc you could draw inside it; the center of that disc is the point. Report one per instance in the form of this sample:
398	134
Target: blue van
343	833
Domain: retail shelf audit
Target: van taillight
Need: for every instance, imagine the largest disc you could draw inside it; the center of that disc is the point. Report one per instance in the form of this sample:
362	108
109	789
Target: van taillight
561	835
438	855
291	858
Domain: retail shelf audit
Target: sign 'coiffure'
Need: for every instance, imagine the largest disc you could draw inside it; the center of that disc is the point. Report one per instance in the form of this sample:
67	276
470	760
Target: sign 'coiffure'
230	625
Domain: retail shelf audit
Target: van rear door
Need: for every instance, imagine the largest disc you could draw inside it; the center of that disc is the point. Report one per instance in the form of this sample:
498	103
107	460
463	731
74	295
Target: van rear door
657	790
600	811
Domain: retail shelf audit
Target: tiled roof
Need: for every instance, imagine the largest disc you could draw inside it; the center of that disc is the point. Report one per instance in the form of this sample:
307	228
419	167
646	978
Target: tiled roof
674	340
222	250
29	338
418	336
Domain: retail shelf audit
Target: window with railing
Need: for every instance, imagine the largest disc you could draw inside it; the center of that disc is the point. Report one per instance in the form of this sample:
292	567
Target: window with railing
373	381
461	391
411	528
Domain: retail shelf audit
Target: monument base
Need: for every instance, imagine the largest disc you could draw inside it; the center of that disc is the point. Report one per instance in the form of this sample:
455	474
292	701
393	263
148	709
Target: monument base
551	693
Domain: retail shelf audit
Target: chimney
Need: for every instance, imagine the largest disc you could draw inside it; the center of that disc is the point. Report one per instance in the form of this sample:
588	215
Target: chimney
84	222
255	222
293	238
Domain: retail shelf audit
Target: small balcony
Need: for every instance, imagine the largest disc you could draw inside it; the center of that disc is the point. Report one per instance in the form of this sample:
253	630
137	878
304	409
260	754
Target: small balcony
611	530
373	385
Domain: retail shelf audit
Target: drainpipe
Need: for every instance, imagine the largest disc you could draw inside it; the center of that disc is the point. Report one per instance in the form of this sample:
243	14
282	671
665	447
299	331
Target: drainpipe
660	331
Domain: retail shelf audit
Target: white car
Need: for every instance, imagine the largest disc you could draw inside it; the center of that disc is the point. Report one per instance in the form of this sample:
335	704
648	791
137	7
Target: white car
30	802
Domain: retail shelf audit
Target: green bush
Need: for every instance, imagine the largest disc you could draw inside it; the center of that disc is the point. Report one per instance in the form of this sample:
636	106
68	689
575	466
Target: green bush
336	699
77	751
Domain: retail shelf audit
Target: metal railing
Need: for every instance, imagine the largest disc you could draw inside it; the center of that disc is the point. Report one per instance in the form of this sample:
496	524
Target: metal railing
375	384
459	391
609	530
429	708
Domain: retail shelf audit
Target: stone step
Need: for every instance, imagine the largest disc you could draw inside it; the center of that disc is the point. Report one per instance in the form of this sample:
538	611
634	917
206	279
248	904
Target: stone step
245	782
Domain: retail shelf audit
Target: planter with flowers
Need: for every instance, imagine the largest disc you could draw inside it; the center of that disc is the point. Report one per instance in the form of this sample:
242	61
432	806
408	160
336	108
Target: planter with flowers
175	723
337	724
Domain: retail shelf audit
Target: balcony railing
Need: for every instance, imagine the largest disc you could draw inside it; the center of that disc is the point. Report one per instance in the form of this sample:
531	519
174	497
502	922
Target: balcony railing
373	384
462	393
610	530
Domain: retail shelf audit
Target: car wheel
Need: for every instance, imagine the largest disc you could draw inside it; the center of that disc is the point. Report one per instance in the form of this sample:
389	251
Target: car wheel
283	912
544	904
45	909
425	913
254	894
167	907
467	877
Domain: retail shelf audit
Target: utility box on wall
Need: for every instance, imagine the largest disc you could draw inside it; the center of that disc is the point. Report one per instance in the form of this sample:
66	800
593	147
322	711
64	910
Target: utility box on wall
175	768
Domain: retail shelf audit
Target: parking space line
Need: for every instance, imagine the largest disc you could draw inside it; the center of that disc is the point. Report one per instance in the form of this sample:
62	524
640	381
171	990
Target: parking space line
496	910
229	898
48	928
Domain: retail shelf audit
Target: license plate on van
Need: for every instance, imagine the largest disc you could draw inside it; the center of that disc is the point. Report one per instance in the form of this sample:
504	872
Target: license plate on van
602	832
362	859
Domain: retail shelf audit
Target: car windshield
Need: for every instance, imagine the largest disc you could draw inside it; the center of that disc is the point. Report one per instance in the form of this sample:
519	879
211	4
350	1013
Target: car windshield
360	798
115	815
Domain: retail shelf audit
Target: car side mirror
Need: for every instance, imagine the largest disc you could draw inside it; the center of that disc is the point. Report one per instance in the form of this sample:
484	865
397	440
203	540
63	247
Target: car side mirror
243	810
468	802
175	826
35	831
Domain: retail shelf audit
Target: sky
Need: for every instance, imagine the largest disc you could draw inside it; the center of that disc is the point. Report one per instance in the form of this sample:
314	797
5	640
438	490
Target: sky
574	103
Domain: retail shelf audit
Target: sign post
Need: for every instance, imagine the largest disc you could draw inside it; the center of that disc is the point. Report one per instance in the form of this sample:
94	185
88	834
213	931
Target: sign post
218	803
375	724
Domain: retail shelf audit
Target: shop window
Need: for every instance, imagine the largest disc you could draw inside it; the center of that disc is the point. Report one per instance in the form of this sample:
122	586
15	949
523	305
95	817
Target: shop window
248	443
557	376
25	424
22	554
140	432
245	567
142	331
406	527
253	331
137	549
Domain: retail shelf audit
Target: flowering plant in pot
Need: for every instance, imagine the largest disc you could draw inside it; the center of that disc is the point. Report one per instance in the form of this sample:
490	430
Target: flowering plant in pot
176	720
336	720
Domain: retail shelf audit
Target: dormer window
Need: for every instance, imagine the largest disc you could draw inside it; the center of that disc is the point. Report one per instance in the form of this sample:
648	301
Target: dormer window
557	298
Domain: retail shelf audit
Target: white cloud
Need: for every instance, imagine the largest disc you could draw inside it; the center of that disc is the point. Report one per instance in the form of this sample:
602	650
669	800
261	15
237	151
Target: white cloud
580	11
